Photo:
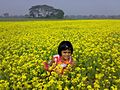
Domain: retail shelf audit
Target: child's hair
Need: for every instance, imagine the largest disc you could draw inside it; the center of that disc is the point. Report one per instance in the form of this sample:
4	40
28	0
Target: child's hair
64	45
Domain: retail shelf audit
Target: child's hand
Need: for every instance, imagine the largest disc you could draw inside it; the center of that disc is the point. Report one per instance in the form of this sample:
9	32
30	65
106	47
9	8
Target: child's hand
51	68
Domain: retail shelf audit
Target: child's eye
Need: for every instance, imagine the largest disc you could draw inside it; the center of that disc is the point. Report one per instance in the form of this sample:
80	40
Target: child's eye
69	52
66	52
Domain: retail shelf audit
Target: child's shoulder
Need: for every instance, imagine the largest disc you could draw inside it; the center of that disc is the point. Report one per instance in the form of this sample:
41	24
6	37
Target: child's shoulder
57	55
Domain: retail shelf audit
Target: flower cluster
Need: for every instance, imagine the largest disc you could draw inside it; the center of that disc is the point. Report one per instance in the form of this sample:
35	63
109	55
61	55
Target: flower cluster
25	45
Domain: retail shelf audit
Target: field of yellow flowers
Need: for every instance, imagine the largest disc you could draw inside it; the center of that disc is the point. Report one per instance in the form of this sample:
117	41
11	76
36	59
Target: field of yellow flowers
24	45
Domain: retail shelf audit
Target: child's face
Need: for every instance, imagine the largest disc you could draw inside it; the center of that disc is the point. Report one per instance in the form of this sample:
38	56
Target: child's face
66	54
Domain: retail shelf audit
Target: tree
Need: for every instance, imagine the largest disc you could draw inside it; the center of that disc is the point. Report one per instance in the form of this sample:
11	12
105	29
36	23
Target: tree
56	13
45	11
6	14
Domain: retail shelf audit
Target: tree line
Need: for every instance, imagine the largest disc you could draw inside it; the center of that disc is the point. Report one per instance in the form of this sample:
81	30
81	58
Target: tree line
41	11
49	12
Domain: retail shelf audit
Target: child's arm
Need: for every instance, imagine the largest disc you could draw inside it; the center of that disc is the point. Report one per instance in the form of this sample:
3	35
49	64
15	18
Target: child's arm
52	64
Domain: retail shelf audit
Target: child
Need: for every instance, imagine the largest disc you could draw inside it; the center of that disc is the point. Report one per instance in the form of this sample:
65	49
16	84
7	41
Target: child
63	59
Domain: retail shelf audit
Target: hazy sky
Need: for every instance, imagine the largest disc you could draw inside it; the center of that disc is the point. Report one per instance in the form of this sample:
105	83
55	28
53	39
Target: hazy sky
70	7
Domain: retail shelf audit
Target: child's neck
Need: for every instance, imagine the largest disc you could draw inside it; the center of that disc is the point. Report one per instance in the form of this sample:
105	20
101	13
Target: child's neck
64	59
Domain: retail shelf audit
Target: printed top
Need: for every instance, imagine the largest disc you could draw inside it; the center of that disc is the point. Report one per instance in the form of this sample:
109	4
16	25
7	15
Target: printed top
58	60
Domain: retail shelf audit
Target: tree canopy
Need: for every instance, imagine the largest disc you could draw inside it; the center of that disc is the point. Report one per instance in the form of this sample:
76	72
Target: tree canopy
45	11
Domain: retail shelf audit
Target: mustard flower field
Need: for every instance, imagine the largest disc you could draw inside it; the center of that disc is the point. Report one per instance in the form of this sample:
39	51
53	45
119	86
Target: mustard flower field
24	45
